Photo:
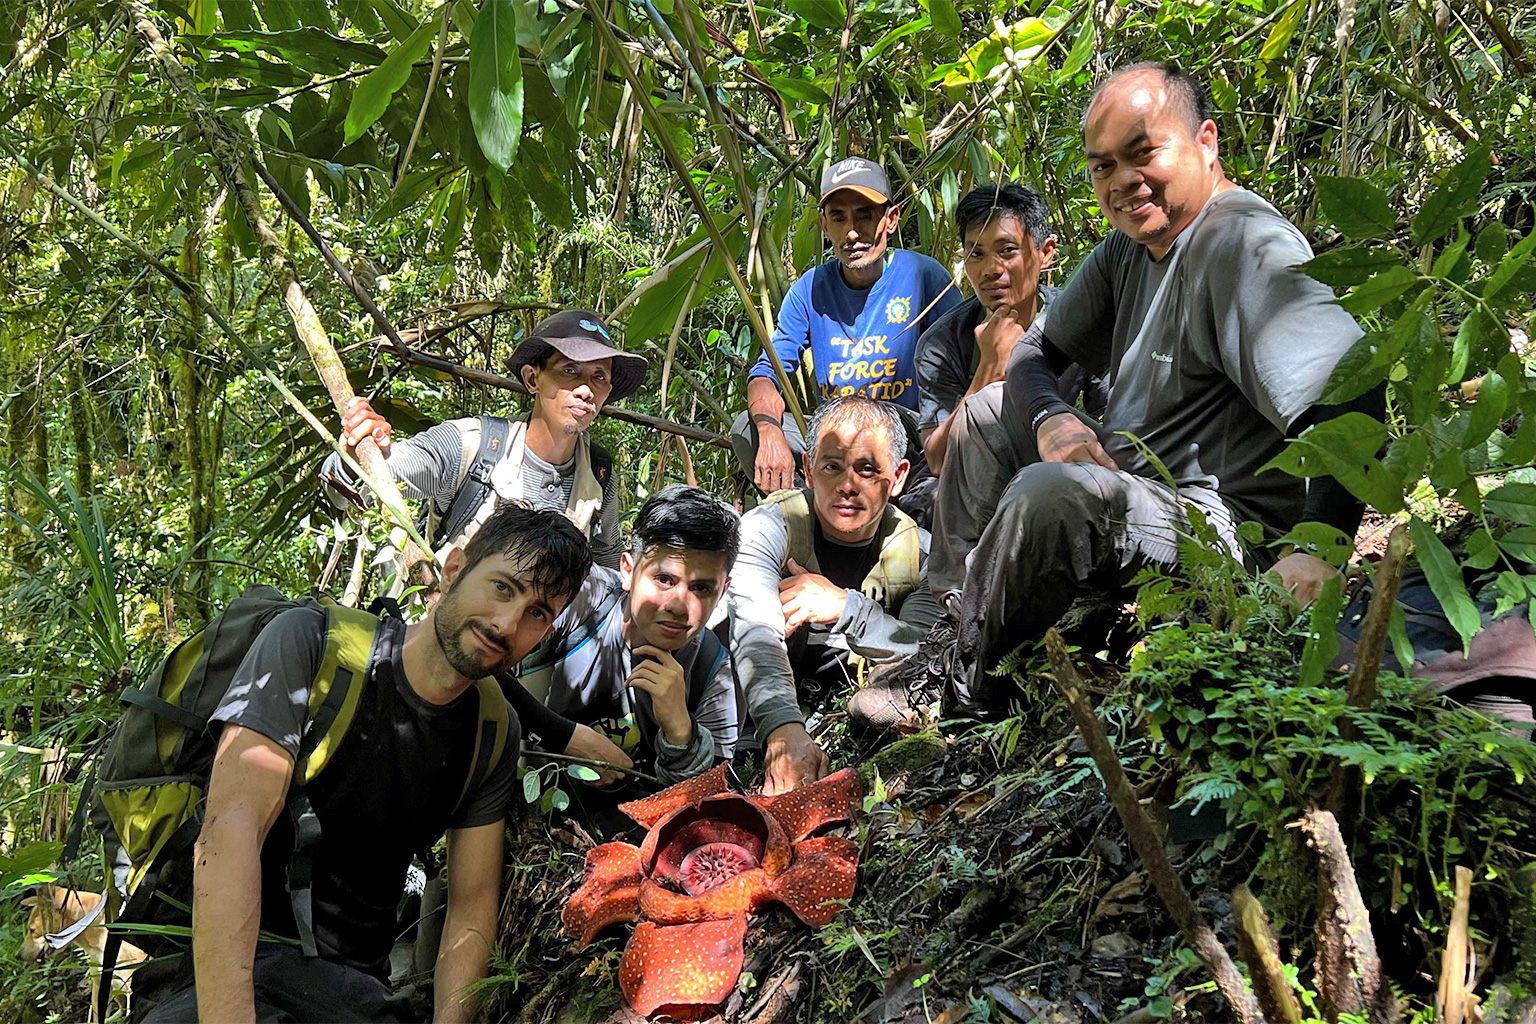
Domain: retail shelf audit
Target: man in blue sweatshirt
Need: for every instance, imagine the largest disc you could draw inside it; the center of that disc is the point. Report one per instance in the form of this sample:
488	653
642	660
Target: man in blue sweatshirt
859	315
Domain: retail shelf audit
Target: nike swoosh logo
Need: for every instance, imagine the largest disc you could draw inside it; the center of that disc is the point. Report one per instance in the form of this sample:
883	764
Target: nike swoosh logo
842	173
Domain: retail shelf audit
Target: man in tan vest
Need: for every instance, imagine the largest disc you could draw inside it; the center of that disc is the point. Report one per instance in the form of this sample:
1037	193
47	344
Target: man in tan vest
464	468
827	576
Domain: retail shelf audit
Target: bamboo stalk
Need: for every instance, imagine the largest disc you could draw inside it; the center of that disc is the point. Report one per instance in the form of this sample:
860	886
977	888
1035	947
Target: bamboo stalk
680	169
421	115
496	380
1455	997
1145	838
1260	950
227	149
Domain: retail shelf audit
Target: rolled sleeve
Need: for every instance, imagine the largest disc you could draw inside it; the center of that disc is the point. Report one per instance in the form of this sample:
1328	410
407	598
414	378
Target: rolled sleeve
757	622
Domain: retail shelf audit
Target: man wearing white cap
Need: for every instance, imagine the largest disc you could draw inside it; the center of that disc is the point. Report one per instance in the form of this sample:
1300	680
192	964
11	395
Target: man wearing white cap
859	315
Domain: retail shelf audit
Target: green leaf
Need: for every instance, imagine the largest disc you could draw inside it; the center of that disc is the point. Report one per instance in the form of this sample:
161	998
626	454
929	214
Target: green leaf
1469	338
1365	365
1514	501
1519	543
657	309
820	13
1493	398
1510	266
1280	35
1406	459
1322	644
29	859
306	48
581	773
1343	268
1492	243
1482	550
1444	577
1329	543
395	18
1445	263
886	41
1358	208
496	82
531	787
1456	194
1025	38
1379	290
1081	51
945	19
379	86
800	89
560	800
1345	448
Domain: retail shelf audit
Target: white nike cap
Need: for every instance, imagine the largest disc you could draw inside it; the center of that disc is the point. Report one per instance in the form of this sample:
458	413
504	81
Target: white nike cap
859	175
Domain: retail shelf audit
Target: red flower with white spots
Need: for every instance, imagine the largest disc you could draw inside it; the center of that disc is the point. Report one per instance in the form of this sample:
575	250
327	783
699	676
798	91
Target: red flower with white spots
712	857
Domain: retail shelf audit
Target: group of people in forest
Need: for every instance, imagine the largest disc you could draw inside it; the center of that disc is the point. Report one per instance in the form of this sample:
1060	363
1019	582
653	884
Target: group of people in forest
971	467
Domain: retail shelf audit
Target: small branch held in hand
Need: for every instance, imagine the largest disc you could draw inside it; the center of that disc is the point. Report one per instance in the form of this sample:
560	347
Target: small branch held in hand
588	762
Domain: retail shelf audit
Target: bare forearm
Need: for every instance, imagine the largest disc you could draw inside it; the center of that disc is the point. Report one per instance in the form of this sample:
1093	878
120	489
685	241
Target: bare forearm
461	959
764	402
226	920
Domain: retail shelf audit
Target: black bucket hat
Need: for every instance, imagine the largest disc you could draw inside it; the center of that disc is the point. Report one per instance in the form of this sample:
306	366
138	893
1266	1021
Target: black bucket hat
580	334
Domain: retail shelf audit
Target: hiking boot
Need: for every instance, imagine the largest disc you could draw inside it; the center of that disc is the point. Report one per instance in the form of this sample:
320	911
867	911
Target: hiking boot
900	694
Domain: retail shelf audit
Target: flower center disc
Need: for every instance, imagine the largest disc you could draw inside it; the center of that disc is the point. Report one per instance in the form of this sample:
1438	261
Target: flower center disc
712	865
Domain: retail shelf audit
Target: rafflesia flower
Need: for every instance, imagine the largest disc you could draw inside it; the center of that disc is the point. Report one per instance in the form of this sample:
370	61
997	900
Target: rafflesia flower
712	857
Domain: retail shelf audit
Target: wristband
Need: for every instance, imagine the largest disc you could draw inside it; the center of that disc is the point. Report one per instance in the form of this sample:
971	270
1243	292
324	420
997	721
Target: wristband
1045	414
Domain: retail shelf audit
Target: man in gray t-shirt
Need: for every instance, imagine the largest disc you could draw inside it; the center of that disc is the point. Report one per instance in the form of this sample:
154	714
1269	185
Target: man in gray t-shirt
1216	348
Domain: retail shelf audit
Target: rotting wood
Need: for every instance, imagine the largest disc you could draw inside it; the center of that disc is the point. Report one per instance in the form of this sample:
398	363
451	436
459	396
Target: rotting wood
1146	839
227	149
1259	948
496	380
1349	975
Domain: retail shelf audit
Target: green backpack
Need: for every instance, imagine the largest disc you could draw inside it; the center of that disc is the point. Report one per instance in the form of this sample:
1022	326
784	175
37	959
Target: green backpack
153	781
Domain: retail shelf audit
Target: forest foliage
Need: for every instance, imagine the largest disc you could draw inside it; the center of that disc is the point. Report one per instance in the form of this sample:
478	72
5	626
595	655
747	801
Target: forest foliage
475	165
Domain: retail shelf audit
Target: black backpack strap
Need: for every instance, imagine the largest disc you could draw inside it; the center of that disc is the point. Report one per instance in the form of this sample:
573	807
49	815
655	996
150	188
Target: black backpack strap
602	464
137	907
705	664
476	486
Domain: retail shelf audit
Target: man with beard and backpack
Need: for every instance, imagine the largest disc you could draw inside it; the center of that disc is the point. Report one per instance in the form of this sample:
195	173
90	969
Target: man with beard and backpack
413	738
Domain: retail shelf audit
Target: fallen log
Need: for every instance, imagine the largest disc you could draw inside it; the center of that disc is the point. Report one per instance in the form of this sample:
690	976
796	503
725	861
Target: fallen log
486	378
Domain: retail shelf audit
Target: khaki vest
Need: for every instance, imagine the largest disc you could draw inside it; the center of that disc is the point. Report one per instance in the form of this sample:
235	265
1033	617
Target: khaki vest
897	572
507	480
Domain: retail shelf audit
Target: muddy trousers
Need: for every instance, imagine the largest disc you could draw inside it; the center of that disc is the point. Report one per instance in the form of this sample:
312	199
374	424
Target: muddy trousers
1022	539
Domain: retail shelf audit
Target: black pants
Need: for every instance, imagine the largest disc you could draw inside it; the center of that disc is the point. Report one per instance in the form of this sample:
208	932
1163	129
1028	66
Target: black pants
294	989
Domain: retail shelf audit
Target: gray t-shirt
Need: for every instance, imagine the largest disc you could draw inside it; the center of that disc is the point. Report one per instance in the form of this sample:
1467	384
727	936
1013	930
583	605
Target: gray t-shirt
1212	352
390	789
430	466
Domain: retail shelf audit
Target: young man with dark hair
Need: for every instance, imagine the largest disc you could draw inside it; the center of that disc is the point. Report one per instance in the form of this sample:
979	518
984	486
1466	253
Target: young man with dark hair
389	790
859	315
1218	347
632	658
1007	243
826	573
570	366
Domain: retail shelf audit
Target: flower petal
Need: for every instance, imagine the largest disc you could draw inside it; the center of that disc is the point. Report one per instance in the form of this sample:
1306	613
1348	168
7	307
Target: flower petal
682	964
653	808
610	893
820	879
738	896
804	810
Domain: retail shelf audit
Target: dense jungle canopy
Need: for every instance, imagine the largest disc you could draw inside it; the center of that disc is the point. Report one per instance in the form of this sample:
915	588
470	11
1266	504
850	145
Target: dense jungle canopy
168	170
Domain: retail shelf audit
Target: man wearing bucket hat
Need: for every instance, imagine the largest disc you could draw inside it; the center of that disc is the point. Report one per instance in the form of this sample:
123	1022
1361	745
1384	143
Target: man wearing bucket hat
464	467
859	316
